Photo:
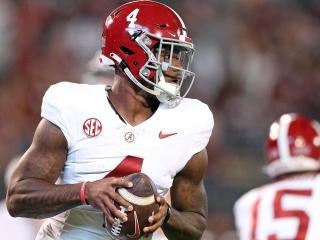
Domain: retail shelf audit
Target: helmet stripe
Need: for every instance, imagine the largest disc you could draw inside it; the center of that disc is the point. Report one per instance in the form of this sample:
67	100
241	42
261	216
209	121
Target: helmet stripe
283	140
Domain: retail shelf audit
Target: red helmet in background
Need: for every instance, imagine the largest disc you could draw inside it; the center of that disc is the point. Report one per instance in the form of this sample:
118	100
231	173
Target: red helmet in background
293	145
133	36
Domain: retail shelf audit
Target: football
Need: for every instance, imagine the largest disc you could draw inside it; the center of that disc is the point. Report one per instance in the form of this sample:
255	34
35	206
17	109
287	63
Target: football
142	197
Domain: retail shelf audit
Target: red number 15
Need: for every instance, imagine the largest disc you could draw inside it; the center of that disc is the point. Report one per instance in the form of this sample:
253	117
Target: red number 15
279	212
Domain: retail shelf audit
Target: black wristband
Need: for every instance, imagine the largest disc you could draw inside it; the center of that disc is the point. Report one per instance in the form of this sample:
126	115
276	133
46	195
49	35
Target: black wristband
169	213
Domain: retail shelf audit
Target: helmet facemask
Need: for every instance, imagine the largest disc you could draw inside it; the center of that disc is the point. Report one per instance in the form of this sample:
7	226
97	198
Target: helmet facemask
170	62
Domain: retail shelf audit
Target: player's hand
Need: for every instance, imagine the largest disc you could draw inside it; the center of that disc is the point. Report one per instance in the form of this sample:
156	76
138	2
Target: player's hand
157	219
102	194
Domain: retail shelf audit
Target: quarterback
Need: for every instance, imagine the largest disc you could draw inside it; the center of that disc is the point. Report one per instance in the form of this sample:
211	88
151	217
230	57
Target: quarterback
90	136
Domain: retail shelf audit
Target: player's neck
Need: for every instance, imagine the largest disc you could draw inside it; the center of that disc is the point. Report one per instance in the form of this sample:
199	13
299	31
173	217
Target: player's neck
133	107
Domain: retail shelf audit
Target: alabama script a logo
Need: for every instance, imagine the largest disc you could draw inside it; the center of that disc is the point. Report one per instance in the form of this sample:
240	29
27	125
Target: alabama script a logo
92	127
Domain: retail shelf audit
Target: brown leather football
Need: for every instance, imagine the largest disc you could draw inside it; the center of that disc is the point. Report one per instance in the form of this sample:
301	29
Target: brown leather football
142	197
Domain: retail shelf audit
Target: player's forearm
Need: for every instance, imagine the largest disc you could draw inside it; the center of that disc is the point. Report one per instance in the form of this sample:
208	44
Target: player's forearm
185	225
38	199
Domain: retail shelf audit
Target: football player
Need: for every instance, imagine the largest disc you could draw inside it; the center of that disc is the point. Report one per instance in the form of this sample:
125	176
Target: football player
96	73
287	208
92	135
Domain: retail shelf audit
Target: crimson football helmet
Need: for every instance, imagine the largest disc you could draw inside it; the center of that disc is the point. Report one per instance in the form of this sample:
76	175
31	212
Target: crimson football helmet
149	42
293	145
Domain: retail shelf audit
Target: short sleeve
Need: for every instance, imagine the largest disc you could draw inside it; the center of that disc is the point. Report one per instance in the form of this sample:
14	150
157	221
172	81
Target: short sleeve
200	134
52	108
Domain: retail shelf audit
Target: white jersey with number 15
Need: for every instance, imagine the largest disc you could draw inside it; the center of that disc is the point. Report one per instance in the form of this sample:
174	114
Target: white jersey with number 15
288	209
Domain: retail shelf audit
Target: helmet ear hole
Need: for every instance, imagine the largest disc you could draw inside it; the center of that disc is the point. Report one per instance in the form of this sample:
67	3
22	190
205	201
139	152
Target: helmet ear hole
126	50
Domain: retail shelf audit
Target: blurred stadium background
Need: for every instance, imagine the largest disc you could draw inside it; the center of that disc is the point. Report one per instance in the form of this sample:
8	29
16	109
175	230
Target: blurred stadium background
255	60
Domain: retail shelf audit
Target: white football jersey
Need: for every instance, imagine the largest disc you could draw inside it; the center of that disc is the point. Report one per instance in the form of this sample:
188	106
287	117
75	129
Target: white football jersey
100	145
283	210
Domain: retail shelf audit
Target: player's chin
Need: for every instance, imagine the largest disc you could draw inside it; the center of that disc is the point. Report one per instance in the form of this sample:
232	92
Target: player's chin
172	78
172	75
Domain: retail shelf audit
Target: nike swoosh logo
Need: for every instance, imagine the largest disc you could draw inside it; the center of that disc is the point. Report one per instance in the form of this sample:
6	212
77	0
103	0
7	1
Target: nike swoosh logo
163	135
136	233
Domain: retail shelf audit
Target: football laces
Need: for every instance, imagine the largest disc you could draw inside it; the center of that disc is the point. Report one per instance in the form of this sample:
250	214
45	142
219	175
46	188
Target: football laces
117	226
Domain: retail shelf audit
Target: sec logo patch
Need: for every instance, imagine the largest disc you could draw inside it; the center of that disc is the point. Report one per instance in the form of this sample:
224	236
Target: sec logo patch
92	127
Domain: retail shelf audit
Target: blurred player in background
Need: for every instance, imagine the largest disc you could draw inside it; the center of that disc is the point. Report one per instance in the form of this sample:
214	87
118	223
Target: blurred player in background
91	135
97	73
289	207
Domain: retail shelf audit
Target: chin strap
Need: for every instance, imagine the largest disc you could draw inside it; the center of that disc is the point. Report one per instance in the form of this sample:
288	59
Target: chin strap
168	92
